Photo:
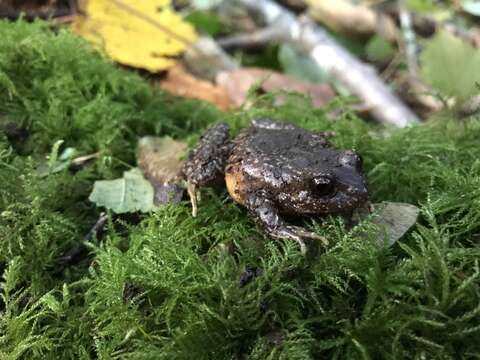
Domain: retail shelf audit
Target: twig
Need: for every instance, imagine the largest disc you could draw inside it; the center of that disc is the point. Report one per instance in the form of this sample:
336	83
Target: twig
392	66
67	19
359	78
78	161
409	38
205	59
97	228
257	39
78	252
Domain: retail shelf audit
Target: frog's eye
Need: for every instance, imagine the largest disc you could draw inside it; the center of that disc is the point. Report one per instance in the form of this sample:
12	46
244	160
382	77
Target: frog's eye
323	184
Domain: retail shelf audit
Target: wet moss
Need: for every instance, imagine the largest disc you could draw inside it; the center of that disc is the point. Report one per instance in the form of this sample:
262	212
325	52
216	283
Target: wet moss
166	285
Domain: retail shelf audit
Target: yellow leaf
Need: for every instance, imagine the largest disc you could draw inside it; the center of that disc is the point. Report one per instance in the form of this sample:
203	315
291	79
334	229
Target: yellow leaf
145	34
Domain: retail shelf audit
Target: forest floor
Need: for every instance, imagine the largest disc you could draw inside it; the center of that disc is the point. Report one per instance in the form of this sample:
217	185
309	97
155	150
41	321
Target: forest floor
167	285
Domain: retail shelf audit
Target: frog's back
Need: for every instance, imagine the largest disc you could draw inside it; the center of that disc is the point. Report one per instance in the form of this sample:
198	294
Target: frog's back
271	147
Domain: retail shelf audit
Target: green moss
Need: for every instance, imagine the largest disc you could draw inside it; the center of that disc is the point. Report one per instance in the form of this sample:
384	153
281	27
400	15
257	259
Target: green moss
168	285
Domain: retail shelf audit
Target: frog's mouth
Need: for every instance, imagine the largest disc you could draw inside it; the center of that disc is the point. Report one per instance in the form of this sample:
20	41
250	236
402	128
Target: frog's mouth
311	203
344	201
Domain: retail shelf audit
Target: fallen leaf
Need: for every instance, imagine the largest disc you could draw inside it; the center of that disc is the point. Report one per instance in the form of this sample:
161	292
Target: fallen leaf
57	162
159	158
142	34
395	219
392	219
471	7
355	20
379	50
131	193
451	65
238	82
419	96
182	83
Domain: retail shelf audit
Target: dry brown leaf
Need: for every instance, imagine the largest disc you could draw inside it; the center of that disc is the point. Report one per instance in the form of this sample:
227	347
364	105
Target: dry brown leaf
182	83
352	19
238	82
159	158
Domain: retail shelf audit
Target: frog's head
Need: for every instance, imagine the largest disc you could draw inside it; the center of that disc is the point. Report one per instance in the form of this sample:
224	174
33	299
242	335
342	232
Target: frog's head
335	184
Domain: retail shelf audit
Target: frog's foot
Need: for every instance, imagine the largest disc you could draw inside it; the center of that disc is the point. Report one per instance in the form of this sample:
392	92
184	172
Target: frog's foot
266	214
296	233
206	163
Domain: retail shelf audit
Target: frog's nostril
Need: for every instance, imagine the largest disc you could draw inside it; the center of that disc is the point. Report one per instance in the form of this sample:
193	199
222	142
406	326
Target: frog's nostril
350	158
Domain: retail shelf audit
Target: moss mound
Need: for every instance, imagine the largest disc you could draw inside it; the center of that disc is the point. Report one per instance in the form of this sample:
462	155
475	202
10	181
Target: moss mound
166	285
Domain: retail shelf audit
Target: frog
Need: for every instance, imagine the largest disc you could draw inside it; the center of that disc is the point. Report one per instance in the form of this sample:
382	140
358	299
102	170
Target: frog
277	170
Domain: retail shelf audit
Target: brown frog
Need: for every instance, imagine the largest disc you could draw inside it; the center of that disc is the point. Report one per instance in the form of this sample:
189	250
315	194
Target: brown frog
276	169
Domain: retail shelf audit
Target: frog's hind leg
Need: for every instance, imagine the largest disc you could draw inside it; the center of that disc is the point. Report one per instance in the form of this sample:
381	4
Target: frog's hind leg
206	163
266	214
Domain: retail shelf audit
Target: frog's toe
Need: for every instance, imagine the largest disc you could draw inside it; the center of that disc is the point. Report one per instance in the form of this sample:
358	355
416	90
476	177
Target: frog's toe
308	234
298	234
194	195
287	233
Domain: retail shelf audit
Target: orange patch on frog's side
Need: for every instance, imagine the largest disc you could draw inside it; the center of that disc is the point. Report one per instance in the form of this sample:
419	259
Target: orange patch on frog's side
235	184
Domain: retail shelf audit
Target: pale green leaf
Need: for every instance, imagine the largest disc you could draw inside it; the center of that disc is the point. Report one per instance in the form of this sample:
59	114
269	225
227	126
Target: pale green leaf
57	163
451	65
131	193
472	7
421	6
395	219
379	50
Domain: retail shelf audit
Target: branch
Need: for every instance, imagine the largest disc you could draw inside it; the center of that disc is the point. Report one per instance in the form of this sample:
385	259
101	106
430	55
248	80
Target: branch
254	40
358	77
205	59
78	252
410	44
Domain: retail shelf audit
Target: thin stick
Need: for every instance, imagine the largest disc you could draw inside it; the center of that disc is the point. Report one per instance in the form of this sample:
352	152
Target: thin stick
409	38
257	39
78	252
358	77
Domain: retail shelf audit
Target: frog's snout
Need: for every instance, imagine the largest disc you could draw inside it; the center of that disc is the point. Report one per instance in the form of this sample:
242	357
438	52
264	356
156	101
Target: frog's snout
351	159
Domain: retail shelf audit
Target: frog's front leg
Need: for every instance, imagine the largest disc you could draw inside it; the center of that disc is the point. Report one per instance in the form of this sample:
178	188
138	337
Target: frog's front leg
266	214
206	163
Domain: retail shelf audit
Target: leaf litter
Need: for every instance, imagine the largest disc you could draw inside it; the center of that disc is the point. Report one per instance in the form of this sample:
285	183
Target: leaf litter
143	34
155	182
